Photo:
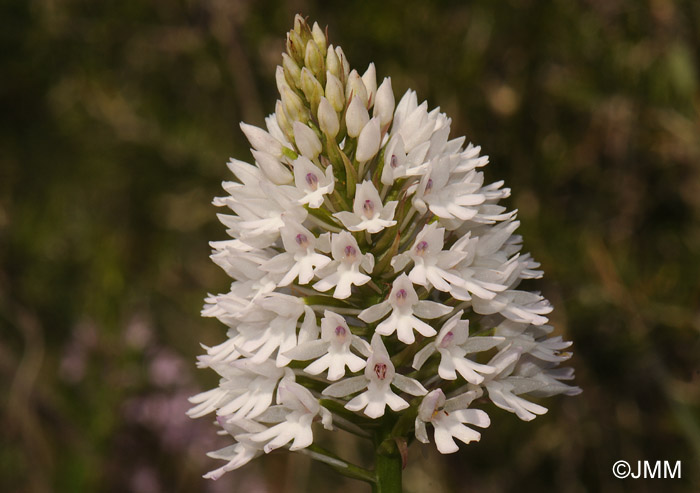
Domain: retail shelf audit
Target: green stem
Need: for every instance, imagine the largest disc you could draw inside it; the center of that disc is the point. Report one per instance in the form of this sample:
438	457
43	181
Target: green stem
387	469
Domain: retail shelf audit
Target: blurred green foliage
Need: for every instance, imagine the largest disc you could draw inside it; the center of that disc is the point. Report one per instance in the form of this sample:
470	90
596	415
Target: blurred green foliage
117	120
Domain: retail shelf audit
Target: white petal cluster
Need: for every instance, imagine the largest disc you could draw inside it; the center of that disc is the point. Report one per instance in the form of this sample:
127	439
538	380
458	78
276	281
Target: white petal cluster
361	216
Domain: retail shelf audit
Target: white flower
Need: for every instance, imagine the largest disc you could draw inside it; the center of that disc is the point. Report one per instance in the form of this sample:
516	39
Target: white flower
312	182
448	418
378	378
432	265
260	212
519	306
458	200
246	390
344	271
368	212
453	343
270	328
300	259
399	164
544	377
503	393
404	305
333	349
238	454
297	412
413	122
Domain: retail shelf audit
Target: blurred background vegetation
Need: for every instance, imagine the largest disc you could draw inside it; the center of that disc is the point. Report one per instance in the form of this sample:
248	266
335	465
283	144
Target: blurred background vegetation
117	118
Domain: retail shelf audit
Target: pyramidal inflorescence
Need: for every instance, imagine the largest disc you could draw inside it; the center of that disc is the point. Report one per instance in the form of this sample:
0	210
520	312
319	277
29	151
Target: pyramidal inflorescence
375	276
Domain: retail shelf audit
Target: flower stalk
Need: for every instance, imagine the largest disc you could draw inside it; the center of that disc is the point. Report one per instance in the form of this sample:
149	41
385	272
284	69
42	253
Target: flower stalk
388	468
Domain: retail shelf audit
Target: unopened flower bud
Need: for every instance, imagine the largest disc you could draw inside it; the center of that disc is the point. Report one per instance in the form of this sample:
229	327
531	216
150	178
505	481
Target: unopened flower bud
282	120
368	142
328	118
299	23
370	80
334	92
272	168
333	64
343	61
261	140
293	105
301	27
307	142
311	87
313	58
356	117
319	38
384	103
280	79
356	88
295	47
291	70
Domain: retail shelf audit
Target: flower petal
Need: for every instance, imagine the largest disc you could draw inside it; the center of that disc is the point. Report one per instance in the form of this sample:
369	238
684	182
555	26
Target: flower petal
346	387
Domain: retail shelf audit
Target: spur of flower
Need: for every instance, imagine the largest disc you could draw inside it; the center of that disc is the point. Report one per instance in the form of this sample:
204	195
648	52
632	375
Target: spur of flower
376	279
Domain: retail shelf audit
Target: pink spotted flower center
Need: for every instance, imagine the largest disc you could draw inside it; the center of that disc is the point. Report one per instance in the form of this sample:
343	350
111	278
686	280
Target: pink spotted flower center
401	296
380	371
350	252
301	240
312	181
422	248
368	209
447	340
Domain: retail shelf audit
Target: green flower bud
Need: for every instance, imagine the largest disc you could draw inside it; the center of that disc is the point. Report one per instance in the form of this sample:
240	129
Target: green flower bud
333	64
291	70
302	28
334	91
313	58
280	79
283	121
311	87
299	23
295	47
319	38
343	62
293	105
